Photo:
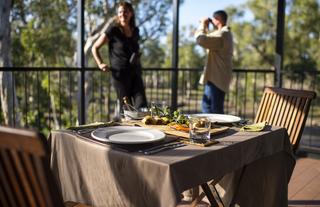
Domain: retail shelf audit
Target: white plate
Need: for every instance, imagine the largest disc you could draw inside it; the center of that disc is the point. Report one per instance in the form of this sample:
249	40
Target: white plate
127	135
220	118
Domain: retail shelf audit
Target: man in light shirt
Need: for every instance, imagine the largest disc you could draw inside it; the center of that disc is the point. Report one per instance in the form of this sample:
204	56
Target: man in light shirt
217	73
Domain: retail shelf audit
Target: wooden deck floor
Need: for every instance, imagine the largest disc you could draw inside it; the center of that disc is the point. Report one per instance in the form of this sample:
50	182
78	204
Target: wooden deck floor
304	186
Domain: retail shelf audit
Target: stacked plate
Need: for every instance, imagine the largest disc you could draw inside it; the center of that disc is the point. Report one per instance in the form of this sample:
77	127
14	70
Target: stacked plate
127	135
220	118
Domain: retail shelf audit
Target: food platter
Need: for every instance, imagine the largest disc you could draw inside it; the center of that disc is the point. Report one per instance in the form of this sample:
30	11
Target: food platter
172	131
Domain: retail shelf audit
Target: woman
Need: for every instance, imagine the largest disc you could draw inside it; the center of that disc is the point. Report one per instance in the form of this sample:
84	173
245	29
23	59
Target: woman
122	39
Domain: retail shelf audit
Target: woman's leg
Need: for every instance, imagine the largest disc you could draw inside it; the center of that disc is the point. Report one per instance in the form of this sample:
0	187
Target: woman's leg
139	95
121	91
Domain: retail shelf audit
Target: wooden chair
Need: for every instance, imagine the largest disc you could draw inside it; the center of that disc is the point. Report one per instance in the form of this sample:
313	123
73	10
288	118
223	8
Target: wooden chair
282	107
25	176
286	108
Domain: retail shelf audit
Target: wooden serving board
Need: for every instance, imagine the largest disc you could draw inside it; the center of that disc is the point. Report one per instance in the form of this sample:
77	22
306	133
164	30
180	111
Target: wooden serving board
206	144
168	130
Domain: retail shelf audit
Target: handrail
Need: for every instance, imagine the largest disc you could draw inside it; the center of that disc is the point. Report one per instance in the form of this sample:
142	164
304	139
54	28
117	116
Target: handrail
55	89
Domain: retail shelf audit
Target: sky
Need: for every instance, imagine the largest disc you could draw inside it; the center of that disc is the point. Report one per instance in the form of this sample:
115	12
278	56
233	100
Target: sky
191	11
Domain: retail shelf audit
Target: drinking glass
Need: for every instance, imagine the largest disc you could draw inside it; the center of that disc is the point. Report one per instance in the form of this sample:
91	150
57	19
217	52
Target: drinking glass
199	129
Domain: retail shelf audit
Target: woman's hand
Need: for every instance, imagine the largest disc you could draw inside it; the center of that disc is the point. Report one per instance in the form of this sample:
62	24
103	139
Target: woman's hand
104	67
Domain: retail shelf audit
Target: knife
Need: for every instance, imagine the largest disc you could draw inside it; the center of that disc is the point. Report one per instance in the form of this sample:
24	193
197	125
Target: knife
163	148
160	146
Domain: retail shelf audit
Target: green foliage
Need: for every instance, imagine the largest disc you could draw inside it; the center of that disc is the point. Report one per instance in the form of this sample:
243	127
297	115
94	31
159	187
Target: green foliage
152	54
190	55
303	35
42	34
255	39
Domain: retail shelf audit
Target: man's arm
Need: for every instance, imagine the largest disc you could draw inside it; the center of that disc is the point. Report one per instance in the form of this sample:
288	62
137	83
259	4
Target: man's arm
204	39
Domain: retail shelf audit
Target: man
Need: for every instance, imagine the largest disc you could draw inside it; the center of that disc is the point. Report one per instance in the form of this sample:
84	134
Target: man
217	73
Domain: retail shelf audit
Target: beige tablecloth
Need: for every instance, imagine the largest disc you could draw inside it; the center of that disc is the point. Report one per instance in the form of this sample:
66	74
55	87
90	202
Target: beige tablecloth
99	175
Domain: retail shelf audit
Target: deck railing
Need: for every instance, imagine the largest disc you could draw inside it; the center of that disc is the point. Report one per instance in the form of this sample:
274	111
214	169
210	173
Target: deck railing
48	98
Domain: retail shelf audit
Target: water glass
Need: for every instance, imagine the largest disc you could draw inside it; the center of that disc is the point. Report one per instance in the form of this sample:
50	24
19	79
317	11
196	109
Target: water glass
199	129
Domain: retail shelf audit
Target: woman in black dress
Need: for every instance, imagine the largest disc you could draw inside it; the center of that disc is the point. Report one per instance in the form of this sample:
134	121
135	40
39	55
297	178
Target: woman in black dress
122	39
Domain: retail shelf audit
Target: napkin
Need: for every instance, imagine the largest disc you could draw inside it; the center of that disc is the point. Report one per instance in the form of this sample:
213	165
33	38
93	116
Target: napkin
257	127
93	125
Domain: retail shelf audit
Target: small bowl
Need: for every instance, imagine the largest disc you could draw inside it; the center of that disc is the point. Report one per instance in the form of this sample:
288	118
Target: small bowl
137	115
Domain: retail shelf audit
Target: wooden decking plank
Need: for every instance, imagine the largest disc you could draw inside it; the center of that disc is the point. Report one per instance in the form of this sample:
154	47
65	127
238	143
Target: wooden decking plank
301	181
310	191
317	197
306	178
301	165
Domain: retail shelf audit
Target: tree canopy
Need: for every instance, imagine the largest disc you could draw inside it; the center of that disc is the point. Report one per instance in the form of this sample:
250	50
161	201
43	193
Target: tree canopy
255	39
40	27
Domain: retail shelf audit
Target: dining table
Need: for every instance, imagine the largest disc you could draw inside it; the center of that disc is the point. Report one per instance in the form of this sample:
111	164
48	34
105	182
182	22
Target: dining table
253	169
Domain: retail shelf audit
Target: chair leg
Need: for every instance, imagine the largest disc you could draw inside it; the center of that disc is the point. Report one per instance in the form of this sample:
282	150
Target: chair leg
206	189
220	200
212	188
197	200
202	195
195	193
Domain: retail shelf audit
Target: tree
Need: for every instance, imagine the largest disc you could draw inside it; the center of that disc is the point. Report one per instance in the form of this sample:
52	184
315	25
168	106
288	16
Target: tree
7	89
255	39
43	37
302	36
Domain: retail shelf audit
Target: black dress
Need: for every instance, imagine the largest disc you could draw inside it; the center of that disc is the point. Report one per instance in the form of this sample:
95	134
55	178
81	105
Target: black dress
126	75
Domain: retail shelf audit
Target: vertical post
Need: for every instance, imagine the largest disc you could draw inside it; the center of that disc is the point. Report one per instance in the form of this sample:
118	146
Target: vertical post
175	55
80	58
280	41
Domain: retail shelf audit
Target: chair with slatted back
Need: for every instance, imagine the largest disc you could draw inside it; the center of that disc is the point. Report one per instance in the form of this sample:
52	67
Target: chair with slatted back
282	107
286	108
25	176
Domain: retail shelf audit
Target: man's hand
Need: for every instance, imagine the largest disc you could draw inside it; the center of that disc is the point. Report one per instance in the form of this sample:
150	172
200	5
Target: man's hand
205	21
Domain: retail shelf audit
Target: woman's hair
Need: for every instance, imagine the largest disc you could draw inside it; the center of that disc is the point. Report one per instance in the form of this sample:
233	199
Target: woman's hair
128	6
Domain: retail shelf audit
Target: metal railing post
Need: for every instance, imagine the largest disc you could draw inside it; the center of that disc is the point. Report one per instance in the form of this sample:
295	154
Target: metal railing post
175	55
80	59
280	42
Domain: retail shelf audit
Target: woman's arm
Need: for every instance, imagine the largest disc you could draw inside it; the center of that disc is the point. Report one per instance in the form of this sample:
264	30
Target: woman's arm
103	39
